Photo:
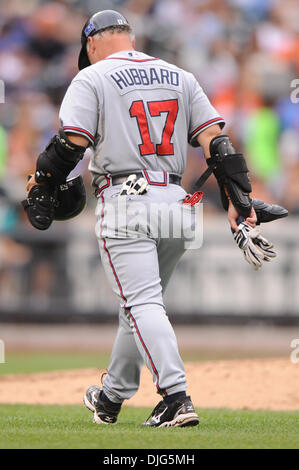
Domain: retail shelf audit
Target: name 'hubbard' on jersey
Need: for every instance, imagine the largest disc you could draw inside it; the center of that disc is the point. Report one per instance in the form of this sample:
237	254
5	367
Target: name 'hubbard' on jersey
138	112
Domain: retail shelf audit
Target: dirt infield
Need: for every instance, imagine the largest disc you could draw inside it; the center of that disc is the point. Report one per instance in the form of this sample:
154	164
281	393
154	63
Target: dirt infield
271	384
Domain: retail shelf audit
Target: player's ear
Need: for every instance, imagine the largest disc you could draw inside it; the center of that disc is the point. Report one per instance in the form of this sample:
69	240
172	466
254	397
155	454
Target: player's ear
133	43
90	47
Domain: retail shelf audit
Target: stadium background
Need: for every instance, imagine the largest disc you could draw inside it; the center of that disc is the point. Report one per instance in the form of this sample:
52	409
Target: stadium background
236	328
245	54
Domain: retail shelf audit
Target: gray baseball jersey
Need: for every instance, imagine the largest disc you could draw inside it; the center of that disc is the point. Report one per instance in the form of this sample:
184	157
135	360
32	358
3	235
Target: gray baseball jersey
139	113
136	111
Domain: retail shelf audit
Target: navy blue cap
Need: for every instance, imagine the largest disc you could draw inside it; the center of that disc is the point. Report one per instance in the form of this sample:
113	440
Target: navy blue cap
99	21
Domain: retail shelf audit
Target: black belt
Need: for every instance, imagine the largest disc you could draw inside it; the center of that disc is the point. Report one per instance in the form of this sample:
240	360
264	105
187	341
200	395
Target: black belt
171	178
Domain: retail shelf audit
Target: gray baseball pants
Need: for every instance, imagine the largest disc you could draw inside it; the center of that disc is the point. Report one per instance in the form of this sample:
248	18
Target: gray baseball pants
138	265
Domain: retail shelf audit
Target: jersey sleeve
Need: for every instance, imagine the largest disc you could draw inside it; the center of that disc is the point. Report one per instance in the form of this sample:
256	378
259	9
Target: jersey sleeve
79	110
203	114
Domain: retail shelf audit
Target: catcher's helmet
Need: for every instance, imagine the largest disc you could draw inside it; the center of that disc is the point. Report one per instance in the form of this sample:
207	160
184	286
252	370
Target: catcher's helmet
45	204
70	199
99	21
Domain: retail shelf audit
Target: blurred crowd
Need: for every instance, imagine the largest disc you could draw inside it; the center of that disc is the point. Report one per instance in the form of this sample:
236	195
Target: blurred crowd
245	54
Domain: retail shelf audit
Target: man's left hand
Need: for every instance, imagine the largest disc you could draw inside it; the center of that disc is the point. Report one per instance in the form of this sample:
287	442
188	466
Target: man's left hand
233	215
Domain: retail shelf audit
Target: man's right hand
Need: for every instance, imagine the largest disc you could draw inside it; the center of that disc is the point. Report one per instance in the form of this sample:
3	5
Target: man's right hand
30	183
39	204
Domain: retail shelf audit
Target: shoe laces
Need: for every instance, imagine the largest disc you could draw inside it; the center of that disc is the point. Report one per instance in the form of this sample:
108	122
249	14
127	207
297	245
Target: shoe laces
159	407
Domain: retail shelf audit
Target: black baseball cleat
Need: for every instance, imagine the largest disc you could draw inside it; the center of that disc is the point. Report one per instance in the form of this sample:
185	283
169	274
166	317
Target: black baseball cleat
104	412
181	413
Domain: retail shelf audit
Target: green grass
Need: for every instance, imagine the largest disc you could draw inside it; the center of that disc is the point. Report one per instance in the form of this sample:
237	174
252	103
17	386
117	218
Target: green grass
25	362
58	427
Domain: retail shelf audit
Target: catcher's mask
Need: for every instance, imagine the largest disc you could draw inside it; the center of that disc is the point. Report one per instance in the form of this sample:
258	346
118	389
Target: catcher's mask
67	200
70	199
99	21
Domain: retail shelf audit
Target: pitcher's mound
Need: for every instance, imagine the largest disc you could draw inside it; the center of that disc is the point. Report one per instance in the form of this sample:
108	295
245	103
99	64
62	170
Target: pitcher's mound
271	384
